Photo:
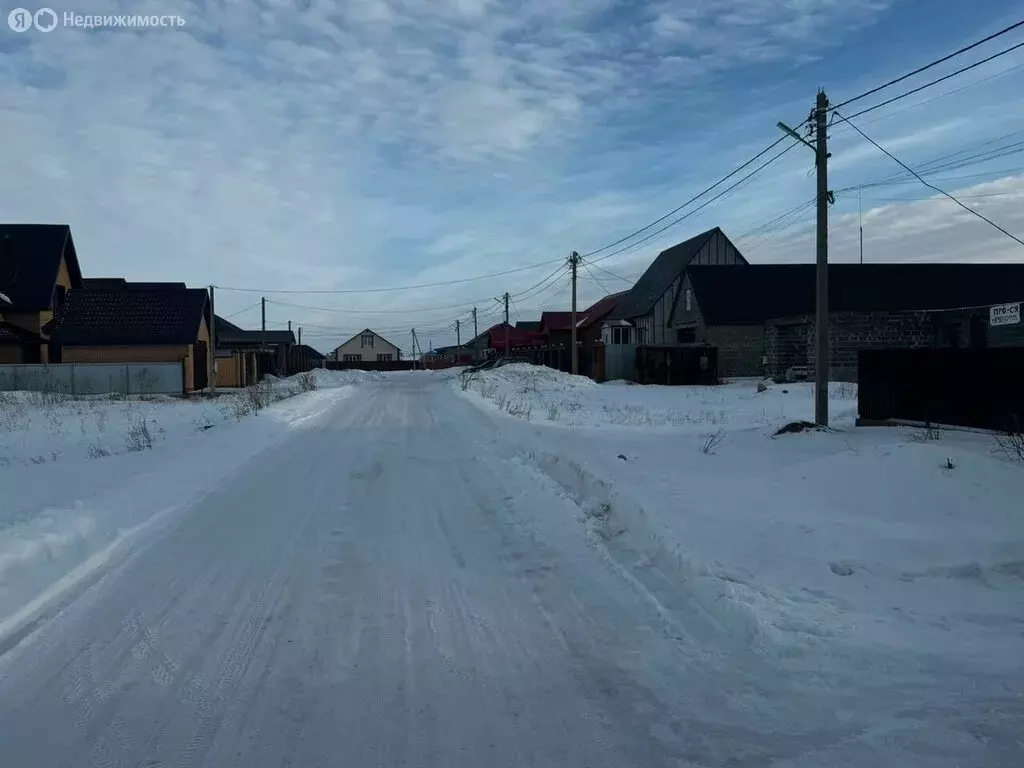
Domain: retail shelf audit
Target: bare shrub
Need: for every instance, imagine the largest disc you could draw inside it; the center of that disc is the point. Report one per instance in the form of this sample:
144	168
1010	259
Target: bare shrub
929	434
97	451
46	398
843	390
306	381
12	414
501	401
553	413
99	415
139	437
259	395
1011	442
710	442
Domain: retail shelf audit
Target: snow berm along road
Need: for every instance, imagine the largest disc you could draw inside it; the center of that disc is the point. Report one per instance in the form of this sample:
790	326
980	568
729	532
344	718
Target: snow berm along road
409	580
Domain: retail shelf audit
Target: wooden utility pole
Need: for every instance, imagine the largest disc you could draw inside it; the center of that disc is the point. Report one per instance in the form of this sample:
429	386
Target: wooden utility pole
574	260
819	120
821	302
458	334
212	353
300	335
476	334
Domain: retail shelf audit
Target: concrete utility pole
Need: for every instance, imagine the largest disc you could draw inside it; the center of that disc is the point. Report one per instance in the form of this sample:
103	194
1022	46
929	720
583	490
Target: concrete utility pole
822	358
212	355
475	333
414	348
820	147
458	335
574	260
507	334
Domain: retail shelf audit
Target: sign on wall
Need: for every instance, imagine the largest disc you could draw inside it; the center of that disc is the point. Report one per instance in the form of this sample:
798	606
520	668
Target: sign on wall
1004	314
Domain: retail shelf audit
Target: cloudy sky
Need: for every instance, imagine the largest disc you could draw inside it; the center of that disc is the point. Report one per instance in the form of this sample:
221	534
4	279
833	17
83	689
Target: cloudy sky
327	146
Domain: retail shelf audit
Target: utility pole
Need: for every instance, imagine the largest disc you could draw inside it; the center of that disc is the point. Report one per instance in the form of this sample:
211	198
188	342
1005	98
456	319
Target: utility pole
507	334
860	206
263	327
458	335
822	358
300	335
574	260
414	348
289	326
475	333
819	116
212	354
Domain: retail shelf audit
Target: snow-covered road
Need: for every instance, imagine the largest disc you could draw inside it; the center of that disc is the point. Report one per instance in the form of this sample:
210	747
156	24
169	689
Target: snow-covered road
393	587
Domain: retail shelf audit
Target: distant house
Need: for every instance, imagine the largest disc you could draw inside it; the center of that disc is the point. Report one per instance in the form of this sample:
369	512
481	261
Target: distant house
136	323
761	317
38	269
365	347
243	357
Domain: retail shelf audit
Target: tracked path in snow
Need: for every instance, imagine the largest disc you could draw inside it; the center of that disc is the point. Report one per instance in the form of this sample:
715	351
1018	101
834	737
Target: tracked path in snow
390	588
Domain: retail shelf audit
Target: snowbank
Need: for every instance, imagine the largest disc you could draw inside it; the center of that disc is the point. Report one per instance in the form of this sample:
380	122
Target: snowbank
854	549
79	476
539	394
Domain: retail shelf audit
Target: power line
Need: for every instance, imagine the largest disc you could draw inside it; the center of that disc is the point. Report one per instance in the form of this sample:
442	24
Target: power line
934	82
919	70
241	311
393	289
706	203
612	274
927	184
693	199
592	275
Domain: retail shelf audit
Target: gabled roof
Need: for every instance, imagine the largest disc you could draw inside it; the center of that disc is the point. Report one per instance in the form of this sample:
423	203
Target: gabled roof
653	283
104	282
12	334
30	256
305	349
755	293
228	334
601	308
357	335
106	316
516	337
557	321
528	325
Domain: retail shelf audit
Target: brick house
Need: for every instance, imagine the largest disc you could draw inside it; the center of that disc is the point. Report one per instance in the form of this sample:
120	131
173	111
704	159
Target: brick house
136	323
761	317
38	270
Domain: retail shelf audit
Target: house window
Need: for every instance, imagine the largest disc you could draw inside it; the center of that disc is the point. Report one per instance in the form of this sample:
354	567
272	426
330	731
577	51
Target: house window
688	300
367	340
686	336
383	357
351	358
620	335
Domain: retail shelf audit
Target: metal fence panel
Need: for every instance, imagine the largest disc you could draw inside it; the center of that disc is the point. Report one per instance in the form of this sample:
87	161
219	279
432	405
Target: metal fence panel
973	387
95	378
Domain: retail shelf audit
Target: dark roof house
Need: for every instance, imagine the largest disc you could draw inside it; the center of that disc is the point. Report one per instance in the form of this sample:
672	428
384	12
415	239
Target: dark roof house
528	325
734	295
229	334
601	309
669	265
31	256
131	316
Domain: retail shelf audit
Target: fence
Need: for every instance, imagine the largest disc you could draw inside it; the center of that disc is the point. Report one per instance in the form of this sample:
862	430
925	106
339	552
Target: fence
372	365
95	378
676	365
982	388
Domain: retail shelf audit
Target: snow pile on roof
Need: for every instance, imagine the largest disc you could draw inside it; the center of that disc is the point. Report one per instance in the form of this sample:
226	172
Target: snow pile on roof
540	394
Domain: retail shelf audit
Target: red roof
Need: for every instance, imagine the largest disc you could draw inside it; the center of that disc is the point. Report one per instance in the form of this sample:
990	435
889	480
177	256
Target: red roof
556	321
599	310
516	337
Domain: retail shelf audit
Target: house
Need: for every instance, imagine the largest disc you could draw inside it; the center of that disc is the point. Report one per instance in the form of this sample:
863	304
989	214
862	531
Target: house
38	270
647	315
528	325
135	323
590	335
761	317
303	357
365	347
243	357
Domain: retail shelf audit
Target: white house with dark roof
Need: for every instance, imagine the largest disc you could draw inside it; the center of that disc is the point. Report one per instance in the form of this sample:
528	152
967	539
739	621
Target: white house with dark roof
366	347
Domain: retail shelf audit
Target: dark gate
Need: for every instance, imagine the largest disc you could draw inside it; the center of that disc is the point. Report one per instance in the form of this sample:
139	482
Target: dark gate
980	387
199	367
676	366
